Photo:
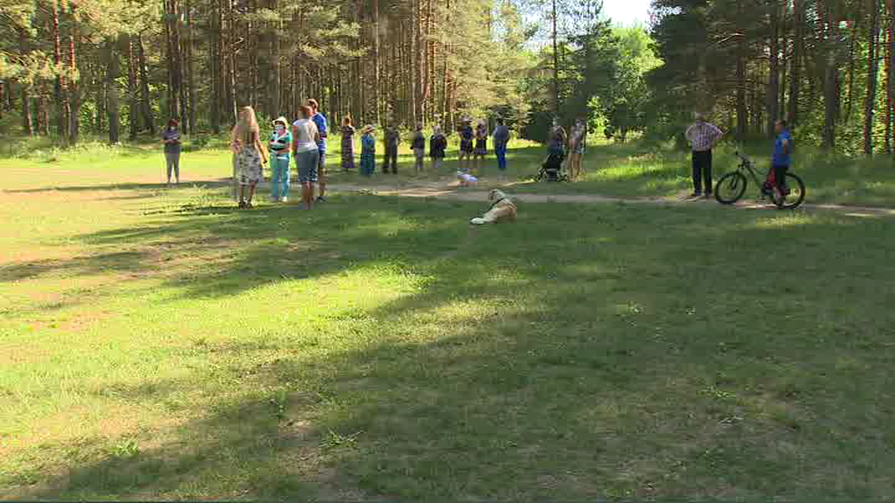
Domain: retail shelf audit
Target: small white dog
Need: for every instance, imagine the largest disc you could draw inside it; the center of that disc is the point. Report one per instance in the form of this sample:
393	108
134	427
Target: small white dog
466	180
502	210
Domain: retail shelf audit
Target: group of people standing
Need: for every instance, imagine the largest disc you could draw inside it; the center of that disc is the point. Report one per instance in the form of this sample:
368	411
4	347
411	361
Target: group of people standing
305	142
473	146
568	148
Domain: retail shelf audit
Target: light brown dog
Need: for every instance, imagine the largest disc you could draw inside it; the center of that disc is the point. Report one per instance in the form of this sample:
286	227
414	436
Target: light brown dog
502	210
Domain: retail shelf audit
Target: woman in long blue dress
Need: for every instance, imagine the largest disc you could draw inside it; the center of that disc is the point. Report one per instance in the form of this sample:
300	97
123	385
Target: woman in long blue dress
368	151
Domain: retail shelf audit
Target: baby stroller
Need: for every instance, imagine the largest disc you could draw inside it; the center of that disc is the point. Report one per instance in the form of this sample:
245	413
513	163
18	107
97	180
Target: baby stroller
552	168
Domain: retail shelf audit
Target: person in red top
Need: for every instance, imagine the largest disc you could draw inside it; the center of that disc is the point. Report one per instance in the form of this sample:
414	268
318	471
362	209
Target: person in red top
702	137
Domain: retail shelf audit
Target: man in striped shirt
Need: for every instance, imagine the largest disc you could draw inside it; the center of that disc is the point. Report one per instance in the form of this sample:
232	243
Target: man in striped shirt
702	137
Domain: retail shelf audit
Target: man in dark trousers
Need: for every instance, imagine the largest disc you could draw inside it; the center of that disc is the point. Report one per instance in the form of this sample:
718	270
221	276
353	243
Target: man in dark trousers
702	137
391	139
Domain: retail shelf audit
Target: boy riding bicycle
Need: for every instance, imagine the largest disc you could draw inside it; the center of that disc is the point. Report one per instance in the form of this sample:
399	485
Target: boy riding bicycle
781	159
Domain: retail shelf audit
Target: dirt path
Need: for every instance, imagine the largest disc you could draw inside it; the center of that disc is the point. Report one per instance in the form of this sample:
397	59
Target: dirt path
452	191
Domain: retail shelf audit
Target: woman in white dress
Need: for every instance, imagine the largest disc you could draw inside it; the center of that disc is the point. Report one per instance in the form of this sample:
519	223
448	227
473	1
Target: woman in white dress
248	155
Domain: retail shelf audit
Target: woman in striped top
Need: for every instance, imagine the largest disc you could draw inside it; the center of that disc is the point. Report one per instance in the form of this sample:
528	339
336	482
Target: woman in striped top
279	145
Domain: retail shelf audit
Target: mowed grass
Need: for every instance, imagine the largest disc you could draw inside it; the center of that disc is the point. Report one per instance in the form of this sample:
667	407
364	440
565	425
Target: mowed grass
160	344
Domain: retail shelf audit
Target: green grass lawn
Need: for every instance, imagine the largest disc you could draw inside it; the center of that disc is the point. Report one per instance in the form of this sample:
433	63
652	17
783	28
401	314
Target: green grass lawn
160	344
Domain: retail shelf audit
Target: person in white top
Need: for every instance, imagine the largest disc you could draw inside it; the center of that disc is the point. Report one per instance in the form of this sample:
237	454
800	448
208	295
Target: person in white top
307	155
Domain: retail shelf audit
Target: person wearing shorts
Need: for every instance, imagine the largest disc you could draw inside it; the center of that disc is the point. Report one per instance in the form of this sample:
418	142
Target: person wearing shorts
307	153
320	121
577	147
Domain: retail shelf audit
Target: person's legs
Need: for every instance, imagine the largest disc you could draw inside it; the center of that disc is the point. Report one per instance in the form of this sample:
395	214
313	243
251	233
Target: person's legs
275	175
251	194
385	160
314	163
321	173
780	178
707	173
177	167
284	173
169	163
697	173
306	194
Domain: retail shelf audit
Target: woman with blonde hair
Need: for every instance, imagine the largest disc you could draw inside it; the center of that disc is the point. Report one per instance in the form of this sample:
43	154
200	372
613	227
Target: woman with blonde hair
248	155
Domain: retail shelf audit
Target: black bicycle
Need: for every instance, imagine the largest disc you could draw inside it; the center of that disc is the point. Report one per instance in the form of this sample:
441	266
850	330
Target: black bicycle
731	187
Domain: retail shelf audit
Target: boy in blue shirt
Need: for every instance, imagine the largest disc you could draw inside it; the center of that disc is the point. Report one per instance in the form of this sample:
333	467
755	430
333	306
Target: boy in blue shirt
782	156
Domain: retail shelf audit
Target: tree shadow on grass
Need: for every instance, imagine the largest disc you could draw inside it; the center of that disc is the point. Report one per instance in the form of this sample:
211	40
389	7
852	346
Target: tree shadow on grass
126	186
540	360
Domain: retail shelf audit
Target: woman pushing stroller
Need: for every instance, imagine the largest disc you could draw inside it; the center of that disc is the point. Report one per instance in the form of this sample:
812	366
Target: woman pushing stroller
552	168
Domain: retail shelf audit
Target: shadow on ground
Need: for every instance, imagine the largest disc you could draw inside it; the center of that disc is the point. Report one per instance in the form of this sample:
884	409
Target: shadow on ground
601	359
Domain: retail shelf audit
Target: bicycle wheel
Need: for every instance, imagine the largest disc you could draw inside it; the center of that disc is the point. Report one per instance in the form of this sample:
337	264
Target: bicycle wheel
730	187
794	195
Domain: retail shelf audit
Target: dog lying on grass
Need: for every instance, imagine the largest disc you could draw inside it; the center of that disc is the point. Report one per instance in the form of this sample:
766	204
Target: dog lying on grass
502	210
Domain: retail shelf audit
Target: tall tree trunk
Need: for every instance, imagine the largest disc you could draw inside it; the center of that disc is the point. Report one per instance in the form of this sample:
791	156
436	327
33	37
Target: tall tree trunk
59	86
190	69
113	108
27	121
852	45
232	70
889	102
274	58
176	96
554	16
831	71
377	68
872	70
890	64
43	116
145	101
742	110
773	67
428	64
133	104
74	127
216	67
795	62
415	67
